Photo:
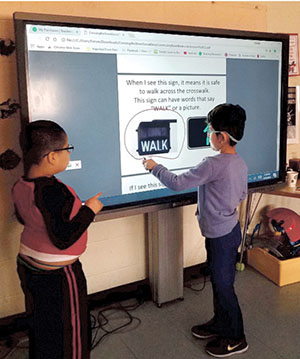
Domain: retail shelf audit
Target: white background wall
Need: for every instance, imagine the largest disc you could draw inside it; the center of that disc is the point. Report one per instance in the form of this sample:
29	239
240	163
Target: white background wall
117	249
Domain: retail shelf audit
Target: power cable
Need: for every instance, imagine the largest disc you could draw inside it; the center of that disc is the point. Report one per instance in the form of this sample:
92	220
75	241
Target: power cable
100	322
195	289
16	346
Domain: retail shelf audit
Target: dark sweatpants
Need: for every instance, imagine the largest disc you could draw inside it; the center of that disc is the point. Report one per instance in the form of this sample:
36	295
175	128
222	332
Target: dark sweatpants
57	311
221	257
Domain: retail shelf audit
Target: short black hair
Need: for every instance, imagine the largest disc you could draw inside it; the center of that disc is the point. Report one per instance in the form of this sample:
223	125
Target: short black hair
38	138
229	118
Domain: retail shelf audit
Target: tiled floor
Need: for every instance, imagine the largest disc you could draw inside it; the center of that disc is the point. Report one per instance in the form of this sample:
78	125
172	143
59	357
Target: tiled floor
271	317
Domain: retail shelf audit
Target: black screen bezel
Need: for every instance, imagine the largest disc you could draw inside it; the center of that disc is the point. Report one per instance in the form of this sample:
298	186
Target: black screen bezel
22	19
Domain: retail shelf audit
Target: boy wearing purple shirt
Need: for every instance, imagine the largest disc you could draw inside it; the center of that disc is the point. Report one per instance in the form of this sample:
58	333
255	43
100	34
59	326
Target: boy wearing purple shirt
222	185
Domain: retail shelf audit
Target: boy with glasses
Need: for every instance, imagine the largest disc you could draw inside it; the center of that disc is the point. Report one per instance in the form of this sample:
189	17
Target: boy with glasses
54	236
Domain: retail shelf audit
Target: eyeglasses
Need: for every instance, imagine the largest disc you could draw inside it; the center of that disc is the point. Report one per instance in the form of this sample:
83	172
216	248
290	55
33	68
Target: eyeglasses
210	132
70	149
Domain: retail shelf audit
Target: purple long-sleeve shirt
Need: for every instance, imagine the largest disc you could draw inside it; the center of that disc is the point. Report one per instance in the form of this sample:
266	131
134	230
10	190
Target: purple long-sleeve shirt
222	182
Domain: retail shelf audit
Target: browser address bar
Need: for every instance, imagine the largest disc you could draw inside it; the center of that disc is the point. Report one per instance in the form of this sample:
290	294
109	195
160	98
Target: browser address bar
136	43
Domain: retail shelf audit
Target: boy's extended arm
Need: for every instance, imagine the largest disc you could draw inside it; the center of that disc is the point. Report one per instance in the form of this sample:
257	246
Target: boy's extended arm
194	177
55	202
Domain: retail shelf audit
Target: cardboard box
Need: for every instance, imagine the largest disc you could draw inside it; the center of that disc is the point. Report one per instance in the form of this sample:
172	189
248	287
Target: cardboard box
281	272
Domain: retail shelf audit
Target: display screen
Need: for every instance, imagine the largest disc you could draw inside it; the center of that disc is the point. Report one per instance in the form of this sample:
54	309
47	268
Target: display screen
126	91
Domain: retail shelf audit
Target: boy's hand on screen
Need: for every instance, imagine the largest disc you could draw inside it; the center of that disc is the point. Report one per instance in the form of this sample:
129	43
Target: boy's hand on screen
94	204
149	164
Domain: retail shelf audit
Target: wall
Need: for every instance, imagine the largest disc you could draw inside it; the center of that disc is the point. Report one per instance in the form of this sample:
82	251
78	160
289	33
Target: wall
116	252
281	17
290	12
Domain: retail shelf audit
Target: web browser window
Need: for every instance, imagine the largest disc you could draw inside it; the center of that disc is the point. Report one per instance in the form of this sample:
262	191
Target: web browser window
127	95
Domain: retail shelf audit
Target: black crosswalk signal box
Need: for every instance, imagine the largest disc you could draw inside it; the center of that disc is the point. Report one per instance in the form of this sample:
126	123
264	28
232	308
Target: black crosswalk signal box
154	137
197	132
